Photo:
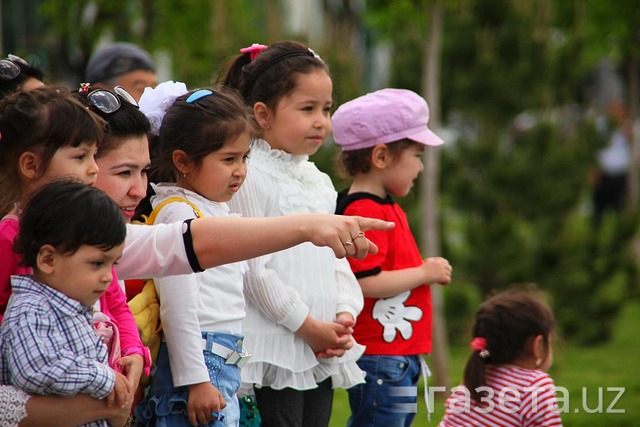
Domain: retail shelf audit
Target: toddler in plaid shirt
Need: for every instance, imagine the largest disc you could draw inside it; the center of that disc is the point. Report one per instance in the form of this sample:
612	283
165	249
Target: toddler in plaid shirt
71	235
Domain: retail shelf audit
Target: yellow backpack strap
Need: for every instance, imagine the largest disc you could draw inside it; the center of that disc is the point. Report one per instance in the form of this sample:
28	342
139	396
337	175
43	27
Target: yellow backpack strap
154	214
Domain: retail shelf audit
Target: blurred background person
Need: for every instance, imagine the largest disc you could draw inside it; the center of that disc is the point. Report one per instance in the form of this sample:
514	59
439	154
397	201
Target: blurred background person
609	179
122	64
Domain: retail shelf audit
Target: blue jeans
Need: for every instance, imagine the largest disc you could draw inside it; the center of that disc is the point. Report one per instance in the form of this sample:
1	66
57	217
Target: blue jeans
389	397
166	405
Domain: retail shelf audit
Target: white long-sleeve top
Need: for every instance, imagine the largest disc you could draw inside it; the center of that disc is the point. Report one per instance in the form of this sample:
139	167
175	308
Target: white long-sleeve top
153	251
282	288
210	301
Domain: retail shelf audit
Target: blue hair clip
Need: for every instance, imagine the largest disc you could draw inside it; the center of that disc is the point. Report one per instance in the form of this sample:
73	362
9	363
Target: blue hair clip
198	94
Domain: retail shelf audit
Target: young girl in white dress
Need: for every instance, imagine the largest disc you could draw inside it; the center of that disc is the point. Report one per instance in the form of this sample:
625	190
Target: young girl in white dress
301	302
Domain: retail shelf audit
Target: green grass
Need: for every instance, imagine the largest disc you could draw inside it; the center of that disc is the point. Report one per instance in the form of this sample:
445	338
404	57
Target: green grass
583	371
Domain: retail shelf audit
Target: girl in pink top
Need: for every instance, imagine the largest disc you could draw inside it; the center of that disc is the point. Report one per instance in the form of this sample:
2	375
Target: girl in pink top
49	149
505	382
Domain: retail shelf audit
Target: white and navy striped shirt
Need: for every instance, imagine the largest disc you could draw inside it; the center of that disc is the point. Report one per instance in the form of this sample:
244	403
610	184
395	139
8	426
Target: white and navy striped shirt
48	345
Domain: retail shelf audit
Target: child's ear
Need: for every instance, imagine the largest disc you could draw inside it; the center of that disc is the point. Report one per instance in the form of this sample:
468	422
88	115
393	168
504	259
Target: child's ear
29	165
262	113
181	161
380	156
538	347
46	259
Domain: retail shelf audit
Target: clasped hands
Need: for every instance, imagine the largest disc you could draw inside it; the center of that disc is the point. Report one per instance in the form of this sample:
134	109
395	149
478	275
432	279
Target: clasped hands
328	339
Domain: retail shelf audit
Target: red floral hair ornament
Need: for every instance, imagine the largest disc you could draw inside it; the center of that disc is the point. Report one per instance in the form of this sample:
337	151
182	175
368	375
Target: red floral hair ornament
480	344
254	50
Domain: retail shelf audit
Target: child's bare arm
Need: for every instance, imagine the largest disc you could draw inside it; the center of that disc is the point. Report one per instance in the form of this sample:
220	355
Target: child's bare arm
387	284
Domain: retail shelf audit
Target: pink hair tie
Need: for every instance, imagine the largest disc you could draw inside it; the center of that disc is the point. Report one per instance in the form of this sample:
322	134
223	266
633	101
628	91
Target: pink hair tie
254	50
480	344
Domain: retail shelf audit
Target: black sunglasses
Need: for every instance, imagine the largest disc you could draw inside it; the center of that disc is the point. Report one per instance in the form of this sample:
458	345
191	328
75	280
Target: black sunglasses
108	102
9	68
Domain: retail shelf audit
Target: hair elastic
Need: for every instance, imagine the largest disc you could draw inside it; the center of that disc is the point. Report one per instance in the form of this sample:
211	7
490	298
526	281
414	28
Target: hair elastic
479	344
254	50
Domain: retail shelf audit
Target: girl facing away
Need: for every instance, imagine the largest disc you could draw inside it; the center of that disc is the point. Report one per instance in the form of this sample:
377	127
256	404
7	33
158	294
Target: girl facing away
203	145
505	380
302	302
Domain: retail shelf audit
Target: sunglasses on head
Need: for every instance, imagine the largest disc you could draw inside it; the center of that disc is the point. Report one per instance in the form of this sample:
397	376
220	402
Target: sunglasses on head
106	101
10	67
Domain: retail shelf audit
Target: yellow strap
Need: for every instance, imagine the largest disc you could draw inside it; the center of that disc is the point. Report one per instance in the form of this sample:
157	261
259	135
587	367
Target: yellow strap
154	214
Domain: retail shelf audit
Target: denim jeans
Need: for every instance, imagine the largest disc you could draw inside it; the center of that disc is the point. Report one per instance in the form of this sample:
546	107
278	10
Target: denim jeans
167	405
389	398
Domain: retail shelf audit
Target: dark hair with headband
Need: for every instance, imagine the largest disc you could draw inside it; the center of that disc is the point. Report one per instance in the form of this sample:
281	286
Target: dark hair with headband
272	73
502	328
125	122
41	121
199	123
10	84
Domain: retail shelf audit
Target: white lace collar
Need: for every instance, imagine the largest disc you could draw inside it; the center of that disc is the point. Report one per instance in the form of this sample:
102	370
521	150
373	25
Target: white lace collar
303	187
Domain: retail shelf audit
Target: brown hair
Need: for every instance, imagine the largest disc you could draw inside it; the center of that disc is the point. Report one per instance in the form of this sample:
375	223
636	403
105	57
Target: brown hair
272	74
41	121
507	321
126	122
199	128
351	163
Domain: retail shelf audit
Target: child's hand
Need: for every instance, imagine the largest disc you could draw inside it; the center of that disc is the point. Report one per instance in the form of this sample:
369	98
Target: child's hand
437	270
204	399
122	394
345	319
321	336
132	366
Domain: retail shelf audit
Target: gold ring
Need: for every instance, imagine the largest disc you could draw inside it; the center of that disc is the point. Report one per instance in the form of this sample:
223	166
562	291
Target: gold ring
360	234
348	243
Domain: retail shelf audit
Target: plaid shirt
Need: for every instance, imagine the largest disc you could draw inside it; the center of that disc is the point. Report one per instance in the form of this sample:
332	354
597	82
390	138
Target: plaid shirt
48	344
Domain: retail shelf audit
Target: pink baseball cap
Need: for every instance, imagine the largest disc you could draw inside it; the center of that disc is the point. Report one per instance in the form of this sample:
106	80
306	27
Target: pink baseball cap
381	117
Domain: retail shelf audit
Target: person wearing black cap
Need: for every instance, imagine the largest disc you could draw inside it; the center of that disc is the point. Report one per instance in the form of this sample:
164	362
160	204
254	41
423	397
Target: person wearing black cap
122	64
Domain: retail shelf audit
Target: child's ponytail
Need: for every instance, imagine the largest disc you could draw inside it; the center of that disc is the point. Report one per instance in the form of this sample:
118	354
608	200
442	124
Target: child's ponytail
474	369
233	76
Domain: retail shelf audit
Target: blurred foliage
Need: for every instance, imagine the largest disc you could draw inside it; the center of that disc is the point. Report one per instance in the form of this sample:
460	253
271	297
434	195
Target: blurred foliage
520	208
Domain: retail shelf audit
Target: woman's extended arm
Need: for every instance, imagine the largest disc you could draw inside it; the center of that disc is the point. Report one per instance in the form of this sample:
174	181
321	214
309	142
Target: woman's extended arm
159	250
233	239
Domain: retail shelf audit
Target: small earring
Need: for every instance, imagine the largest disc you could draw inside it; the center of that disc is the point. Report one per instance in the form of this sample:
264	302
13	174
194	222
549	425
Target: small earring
538	362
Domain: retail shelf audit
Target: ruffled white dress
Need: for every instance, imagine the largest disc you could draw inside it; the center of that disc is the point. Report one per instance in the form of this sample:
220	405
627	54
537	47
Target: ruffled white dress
281	289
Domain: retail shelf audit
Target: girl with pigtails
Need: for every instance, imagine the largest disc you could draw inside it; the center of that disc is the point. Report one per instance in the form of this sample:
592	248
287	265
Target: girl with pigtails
505	380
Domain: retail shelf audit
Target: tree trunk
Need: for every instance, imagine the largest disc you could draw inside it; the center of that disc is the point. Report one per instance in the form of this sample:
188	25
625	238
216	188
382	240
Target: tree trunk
431	232
632	186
